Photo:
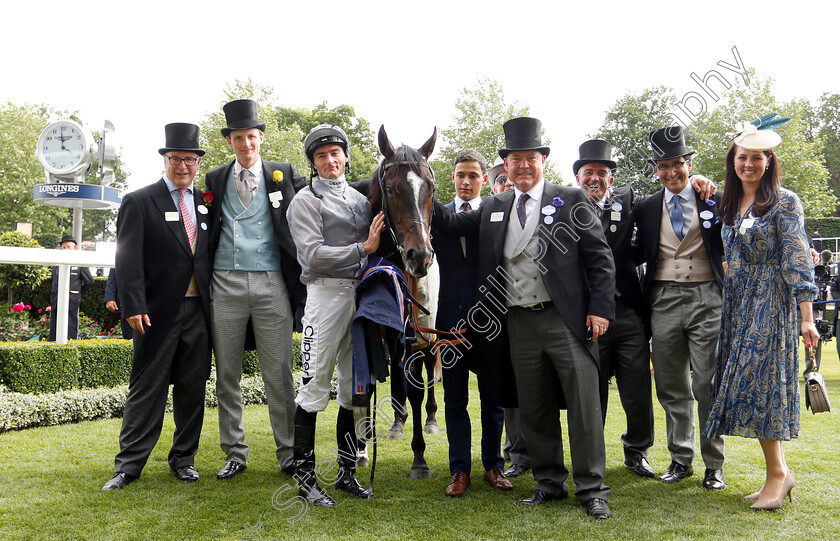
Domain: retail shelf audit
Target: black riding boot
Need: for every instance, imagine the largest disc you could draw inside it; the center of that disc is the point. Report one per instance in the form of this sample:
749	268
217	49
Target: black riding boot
346	435
304	455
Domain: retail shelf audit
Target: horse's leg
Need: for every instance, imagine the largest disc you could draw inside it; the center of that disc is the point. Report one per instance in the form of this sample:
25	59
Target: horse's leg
431	426
415	392
398	402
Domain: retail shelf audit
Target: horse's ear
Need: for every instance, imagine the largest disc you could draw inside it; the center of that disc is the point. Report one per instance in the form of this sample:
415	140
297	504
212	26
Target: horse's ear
385	146
429	146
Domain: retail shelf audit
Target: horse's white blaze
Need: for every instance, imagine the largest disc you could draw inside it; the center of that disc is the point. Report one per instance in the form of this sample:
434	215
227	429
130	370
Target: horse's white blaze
416	184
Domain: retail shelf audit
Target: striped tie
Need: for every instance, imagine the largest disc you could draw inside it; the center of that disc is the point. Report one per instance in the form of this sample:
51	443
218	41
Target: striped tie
189	226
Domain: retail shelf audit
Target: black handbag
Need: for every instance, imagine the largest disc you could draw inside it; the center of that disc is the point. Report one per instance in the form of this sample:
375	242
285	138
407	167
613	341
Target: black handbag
816	395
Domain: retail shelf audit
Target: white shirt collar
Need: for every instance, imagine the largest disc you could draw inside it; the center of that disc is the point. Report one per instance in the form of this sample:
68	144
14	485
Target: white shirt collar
534	193
255	169
474	203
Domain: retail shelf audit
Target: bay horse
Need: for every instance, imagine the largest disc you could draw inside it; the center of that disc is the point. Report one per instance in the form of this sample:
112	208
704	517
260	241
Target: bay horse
403	188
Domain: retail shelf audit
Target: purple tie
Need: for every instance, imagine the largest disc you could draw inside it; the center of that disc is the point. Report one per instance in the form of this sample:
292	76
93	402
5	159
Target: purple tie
520	209
465	206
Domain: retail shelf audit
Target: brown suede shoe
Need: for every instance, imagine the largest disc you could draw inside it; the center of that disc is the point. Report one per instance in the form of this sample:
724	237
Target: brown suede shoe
497	479
458	485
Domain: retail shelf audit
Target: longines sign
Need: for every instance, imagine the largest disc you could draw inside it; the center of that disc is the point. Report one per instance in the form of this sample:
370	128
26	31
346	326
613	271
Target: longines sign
65	194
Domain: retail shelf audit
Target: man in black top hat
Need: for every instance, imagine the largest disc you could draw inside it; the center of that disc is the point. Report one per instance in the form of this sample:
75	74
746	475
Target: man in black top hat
679	234
80	281
624	349
257	292
163	265
542	256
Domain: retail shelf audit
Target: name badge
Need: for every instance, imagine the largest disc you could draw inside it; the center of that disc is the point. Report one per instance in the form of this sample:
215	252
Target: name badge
497	216
171	216
706	215
202	209
615	216
275	198
746	224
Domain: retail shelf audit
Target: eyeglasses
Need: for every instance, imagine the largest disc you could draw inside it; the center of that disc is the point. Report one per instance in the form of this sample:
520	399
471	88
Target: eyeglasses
662	168
176	161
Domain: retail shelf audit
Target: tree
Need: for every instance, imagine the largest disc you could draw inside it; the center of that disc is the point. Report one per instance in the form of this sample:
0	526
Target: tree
281	143
482	111
627	126
801	159
826	118
363	149
20	276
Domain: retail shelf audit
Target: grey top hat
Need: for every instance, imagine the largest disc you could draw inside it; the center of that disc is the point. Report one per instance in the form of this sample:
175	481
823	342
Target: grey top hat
523	133
496	171
594	151
241	115
181	136
668	143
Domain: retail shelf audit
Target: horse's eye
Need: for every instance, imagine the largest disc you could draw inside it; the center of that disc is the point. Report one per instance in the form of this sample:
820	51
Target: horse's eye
389	190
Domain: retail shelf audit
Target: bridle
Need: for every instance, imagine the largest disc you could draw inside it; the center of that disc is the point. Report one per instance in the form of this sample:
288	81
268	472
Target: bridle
383	194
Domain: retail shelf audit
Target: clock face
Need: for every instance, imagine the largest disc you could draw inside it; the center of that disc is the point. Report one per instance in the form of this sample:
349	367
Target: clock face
62	147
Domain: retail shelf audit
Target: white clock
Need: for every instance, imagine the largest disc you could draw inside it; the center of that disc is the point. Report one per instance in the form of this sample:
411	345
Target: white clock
65	148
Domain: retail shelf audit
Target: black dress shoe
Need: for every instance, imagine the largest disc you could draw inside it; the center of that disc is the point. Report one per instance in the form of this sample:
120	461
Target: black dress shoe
289	470
676	472
597	508
187	474
640	465
118	481
515	470
713	480
231	469
540	498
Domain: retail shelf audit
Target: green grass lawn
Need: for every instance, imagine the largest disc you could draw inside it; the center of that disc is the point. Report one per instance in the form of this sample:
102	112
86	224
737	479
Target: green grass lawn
50	480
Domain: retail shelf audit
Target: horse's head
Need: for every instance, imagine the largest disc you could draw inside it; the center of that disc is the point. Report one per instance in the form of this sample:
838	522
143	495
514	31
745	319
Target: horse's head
403	187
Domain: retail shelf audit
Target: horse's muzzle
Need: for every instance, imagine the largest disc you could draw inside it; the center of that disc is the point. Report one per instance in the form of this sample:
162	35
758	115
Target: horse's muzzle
418	261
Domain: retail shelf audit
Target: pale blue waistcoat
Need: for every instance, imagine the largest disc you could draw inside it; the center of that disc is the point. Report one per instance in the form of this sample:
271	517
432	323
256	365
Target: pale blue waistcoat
247	240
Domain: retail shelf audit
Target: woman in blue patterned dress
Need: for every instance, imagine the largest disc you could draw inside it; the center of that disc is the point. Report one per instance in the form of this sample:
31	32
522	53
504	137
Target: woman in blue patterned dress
769	270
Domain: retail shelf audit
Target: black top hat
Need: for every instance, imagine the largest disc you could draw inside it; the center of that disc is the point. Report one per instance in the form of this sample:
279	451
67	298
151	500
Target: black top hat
241	115
594	151
181	136
67	238
668	143
523	133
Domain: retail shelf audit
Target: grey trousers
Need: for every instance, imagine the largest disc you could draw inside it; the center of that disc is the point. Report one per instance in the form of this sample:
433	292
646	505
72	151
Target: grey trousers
262	298
514	448
685	320
546	358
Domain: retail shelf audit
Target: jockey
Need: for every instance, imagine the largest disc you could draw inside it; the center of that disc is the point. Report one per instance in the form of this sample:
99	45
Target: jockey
333	233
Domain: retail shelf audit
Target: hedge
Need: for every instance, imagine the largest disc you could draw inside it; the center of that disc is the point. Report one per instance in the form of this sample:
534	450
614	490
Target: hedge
47	367
39	367
21	410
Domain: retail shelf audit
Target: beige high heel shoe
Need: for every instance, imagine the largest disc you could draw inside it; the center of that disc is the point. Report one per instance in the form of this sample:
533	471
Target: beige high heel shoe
769	505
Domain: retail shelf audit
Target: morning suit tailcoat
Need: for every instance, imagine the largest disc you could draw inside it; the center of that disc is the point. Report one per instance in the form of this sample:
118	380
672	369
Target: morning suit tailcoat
649	217
619	235
577	260
216	182
155	264
624	350
80	281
